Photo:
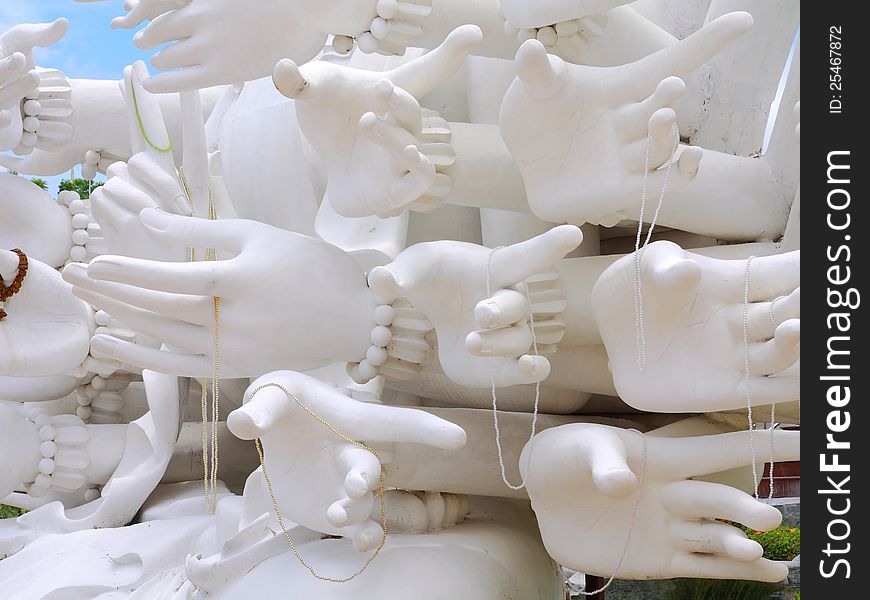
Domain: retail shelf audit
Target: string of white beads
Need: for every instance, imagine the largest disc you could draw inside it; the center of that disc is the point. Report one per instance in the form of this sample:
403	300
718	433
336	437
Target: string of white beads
376	355
80	222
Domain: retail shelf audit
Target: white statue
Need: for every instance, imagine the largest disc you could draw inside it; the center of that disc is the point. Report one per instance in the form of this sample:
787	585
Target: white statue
374	364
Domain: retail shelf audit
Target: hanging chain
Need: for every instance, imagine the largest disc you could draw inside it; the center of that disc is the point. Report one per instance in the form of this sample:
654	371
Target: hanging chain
275	505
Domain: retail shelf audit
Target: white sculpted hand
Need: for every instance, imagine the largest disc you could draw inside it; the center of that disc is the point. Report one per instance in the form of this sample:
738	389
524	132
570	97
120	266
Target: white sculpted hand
366	125
33	221
446	281
587	511
18	79
47	329
579	134
693	321
220	41
270	294
147	180
320	480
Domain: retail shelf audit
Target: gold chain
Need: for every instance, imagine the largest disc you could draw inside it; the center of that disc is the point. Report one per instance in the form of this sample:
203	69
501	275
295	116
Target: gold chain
280	517
209	459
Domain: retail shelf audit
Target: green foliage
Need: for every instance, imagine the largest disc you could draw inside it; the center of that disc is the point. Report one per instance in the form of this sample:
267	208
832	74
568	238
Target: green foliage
82	186
7	512
797	596
39	182
718	589
783	543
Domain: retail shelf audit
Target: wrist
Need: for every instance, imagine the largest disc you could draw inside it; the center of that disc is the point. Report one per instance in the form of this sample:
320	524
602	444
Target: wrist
398	343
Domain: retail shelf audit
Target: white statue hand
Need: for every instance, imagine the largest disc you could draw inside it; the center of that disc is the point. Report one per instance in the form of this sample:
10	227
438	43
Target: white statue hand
320	480
693	329
147	180
563	123
582	480
17	77
446	280
269	267
33	221
46	330
20	443
223	42
366	125
139	11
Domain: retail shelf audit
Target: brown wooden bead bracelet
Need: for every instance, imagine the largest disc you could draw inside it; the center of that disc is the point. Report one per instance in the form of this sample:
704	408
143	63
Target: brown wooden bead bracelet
7	292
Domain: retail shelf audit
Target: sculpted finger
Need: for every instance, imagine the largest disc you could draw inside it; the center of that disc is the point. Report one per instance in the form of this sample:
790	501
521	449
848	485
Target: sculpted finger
367	536
349	511
23	38
192	78
424	74
765	317
503	308
526	369
198	310
702	500
165	28
201	278
514	340
520	261
635	81
686	564
541	73
773	356
145	357
701	455
260	412
714	537
635	120
362	468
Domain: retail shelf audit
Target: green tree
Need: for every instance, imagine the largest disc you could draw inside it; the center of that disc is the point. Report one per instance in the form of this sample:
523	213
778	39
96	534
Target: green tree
82	186
38	181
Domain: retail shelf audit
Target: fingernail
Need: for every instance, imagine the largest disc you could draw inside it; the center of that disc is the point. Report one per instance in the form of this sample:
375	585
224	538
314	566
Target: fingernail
489	313
154	218
336	515
476	343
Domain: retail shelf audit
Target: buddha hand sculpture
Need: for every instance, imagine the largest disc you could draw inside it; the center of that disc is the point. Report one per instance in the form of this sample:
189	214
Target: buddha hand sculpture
320	480
18	79
689	355
147	180
46	329
580	134
34	221
677	530
265	268
478	335
216	42
366	125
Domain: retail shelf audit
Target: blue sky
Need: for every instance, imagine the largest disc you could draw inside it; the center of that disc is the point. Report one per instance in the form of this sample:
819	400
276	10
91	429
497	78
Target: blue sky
91	49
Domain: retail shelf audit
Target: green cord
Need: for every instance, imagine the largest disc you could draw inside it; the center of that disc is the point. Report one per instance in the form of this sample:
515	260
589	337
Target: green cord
142	125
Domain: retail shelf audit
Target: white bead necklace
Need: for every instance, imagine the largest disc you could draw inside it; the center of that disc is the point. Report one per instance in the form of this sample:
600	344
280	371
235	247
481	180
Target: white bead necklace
492	382
640	330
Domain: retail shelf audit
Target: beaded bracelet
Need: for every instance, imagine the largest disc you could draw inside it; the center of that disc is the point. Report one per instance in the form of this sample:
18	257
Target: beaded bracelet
62	445
397	26
399	344
6	292
48	107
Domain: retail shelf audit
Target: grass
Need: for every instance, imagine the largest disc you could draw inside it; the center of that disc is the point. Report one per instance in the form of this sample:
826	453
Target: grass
717	589
8	512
